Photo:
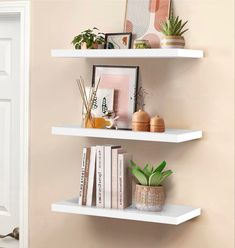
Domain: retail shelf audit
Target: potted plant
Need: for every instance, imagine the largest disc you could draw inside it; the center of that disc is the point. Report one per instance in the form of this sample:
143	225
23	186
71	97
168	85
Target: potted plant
149	192
173	29
88	39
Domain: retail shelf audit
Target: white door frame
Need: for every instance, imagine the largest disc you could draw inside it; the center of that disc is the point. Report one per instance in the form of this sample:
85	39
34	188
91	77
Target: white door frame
23	9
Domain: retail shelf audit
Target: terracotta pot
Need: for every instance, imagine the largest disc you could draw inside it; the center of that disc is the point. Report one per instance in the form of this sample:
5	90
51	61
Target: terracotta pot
173	42
141	121
149	198
157	124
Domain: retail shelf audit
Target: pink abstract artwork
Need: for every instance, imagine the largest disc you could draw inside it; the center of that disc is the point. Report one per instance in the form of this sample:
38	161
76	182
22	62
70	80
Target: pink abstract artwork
121	93
144	17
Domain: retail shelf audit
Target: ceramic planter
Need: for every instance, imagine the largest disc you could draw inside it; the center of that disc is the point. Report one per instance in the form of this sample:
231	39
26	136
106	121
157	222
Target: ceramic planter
149	198
173	42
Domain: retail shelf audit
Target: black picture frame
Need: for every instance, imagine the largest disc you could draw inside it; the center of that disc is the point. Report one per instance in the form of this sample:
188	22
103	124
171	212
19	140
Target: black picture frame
131	89
118	44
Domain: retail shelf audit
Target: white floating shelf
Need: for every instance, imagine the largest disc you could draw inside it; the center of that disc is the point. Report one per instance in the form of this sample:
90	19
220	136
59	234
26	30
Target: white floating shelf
170	135
127	53
171	214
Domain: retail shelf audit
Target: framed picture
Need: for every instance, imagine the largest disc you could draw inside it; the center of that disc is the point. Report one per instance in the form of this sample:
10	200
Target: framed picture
118	40
144	18
103	101
124	81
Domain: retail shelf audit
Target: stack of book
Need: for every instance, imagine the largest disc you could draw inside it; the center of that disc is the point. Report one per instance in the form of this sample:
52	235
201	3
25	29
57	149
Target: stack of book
105	180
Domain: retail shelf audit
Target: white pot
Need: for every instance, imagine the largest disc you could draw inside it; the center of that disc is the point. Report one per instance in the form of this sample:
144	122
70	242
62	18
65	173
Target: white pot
173	42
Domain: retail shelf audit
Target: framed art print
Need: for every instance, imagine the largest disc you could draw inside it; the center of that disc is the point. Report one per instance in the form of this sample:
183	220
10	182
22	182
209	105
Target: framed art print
103	101
118	40
144	18
124	81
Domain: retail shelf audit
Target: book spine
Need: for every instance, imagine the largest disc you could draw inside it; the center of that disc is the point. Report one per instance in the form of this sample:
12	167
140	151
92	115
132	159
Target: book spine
86	175
108	175
91	179
124	181
82	176
114	178
114	194
100	176
120	181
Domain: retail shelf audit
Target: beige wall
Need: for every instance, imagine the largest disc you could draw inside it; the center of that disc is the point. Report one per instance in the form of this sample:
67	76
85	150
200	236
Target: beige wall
194	94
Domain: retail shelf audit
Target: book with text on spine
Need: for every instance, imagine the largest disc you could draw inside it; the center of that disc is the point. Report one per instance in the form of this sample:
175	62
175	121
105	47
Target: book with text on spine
82	174
100	176
86	175
108	174
91	178
114	196
124	181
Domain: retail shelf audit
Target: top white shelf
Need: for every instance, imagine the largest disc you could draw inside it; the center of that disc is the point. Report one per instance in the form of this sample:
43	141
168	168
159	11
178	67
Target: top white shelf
127	53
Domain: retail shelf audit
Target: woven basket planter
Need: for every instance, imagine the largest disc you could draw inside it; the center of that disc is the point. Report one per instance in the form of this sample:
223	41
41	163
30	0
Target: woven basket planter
149	198
173	42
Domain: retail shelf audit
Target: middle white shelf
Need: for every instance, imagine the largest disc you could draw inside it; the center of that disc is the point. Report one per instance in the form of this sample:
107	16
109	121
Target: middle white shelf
170	135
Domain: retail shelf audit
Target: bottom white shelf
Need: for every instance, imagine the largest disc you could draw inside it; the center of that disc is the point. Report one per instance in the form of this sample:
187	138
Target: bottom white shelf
171	214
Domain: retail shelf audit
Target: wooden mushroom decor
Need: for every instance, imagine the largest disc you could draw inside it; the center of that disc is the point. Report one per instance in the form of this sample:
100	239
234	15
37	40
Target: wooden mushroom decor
157	124
141	121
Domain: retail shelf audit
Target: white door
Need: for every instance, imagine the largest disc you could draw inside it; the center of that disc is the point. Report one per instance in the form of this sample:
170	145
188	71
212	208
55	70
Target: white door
9	127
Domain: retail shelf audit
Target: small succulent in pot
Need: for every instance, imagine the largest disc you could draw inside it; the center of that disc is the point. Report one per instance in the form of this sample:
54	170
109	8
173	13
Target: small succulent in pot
149	192
173	29
88	39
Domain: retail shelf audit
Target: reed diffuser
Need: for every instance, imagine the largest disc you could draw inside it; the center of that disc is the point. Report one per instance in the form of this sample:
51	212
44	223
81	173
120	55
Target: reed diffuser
88	100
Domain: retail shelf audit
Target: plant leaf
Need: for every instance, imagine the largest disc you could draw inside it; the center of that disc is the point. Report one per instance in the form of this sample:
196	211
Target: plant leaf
141	178
160	167
165	174
155	179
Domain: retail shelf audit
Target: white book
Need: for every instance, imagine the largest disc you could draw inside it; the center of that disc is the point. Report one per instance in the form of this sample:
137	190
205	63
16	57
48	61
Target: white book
84	150
108	175
91	177
100	176
124	181
115	153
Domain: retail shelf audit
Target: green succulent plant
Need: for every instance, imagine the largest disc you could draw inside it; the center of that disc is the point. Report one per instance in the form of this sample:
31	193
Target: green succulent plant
150	175
89	36
173	26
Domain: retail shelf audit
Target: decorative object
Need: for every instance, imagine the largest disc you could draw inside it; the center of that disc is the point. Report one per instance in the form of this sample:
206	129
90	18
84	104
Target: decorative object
143	19
103	101
112	119
88	100
173	29
124	81
141	44
89	39
141	121
149	192
118	40
157	124
140	98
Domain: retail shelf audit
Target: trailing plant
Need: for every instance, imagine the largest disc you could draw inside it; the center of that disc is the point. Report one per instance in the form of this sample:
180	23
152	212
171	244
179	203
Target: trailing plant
150	175
173	26
88	36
